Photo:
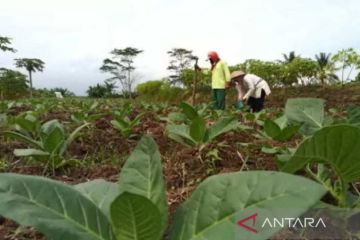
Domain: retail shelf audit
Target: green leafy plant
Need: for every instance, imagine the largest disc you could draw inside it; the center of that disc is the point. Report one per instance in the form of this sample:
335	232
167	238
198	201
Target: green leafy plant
353	115
307	111
337	147
279	129
136	207
123	123
50	144
198	134
86	113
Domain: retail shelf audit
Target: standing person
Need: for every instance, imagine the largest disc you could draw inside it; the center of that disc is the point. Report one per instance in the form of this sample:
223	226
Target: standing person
220	79
251	89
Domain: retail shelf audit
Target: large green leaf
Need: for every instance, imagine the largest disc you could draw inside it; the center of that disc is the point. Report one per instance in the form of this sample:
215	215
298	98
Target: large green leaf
28	122
213	210
142	175
353	115
271	129
135	217
338	146
198	129
180	133
50	126
100	192
55	209
54	140
222	126
188	110
306	111
288	132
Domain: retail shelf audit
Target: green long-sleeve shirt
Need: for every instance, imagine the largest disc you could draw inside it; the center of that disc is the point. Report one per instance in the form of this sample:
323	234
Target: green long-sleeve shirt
220	75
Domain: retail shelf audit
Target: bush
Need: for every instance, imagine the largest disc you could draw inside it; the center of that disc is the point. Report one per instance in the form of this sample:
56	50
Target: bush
149	87
12	84
159	90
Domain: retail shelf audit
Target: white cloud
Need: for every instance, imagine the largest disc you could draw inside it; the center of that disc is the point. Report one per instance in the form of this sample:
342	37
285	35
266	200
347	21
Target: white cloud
73	37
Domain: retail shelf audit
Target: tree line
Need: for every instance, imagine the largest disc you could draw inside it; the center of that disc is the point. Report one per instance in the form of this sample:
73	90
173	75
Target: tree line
291	70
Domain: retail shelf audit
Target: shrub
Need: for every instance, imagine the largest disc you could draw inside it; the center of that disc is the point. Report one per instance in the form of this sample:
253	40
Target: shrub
12	84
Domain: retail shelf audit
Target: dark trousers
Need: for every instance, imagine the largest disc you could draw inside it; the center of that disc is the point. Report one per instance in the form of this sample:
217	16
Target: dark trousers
257	104
219	99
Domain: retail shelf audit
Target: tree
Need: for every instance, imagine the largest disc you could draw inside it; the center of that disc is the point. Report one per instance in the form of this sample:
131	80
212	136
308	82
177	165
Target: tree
12	84
102	90
346	59
31	65
180	59
121	66
325	69
288	58
270	71
5	43
299	70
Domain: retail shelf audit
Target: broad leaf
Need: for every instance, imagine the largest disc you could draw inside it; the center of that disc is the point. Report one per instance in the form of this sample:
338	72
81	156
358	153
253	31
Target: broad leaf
54	140
337	146
142	175
100	192
50	126
222	126
180	133
306	111
213	210
288	132
55	209
27	123
29	152
271	129
188	110
353	115
176	117
135	217
282	122
198	129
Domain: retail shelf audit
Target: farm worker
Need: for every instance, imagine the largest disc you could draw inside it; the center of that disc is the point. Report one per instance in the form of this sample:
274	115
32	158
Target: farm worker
220	79
251	89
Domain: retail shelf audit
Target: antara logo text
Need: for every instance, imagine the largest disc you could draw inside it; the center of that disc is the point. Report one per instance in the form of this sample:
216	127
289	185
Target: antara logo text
249	223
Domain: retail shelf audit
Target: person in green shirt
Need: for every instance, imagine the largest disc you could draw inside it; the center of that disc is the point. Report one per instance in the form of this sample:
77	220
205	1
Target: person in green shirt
220	79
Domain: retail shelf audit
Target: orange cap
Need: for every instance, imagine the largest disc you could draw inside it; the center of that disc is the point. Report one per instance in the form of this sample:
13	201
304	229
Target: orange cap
213	56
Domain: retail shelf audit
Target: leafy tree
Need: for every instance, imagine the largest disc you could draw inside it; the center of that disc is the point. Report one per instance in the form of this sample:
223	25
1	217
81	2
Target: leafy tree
102	90
288	58
5	43
187	78
347	59
31	65
12	84
326	68
180	59
300	70
149	88
270	71
121	67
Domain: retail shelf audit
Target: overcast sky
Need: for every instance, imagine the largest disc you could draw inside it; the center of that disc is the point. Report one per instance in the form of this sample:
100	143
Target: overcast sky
73	37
